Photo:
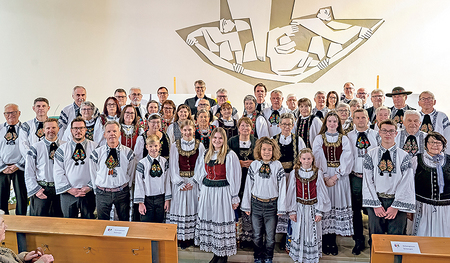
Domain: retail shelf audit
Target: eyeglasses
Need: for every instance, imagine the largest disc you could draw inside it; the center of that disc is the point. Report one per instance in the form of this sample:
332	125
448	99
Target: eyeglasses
136	94
87	109
222	96
78	128
198	87
12	113
203	104
165	108
111	104
286	124
155	122
342	111
378	96
349	88
384	131
120	97
426	99
435	143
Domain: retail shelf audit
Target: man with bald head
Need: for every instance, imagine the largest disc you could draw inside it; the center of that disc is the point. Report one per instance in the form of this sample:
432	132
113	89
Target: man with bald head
362	94
12	163
73	110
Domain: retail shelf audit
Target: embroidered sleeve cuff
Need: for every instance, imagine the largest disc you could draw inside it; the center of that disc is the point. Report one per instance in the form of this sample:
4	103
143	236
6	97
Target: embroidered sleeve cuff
371	203
245	209
235	200
63	189
281	212
168	197
34	191
138	200
319	213
405	207
90	184
292	213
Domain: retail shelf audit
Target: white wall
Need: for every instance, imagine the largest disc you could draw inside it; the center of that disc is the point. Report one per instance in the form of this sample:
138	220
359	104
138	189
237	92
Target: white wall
49	46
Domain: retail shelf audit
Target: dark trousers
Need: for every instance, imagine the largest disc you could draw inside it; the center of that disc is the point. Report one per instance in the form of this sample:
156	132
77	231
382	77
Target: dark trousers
51	206
71	206
356	187
20	189
379	225
155	209
264	221
121	201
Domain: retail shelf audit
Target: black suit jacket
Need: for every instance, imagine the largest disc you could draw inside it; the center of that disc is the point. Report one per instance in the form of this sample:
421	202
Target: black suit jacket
371	112
191	103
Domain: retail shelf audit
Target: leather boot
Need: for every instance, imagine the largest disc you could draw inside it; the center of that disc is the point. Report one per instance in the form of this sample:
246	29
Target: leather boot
359	247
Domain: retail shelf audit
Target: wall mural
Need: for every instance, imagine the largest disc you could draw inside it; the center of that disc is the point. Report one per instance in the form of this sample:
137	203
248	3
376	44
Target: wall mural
259	40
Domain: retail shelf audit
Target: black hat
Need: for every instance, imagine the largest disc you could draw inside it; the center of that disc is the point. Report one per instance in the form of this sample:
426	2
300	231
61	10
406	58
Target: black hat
398	91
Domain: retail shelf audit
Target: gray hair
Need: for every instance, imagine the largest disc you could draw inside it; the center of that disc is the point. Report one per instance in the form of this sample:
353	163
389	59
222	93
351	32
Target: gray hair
205	100
112	122
319	92
277	92
287	115
411	112
427	92
343	105
133	88
11	104
383	108
291	95
250	97
221	90
88	104
355	101
77	87
377	91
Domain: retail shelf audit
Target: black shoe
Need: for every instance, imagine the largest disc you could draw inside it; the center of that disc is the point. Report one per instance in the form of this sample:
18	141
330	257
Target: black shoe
282	244
222	259
183	244
214	259
359	246
326	249
334	249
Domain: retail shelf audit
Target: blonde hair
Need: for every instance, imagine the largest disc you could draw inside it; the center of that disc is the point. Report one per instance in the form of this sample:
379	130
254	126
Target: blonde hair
187	122
152	139
266	140
298	163
221	156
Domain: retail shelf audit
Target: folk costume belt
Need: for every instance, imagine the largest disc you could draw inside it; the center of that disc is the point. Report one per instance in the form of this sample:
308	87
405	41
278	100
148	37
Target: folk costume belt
113	190
45	184
383	195
264	200
306	201
359	175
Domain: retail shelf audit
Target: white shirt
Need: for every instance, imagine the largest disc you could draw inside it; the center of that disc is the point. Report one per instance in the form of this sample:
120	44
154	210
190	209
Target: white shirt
402	135
261	126
145	185
265	188
67	175
287	140
28	136
234	112
400	184
67	115
358	154
10	151
274	128
39	166
123	173
440	123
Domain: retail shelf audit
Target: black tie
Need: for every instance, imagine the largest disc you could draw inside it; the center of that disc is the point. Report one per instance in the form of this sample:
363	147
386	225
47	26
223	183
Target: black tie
156	170
399	116
259	107
52	150
362	142
79	154
319	114
426	126
112	161
386	164
77	112
218	114
275	117
411	145
40	130
138	112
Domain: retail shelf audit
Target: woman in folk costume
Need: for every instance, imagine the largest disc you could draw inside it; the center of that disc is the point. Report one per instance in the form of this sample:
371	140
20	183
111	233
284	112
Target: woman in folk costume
154	128
168	109
260	127
226	120
306	201
333	154
432	182
243	145
203	128
129	126
219	180
308	125
174	129
344	112
184	155
290	145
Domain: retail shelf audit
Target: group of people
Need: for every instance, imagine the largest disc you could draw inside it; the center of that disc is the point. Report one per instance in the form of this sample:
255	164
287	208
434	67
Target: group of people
305	172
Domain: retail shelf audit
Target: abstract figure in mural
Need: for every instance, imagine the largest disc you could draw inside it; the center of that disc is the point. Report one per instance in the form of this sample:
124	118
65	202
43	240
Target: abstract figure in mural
279	49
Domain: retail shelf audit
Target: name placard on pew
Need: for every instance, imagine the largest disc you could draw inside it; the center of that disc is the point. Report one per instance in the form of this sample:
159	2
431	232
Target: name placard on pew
116	231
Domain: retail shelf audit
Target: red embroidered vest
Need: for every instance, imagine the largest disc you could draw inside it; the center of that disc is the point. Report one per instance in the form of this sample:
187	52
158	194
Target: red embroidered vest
307	190
187	163
332	151
216	172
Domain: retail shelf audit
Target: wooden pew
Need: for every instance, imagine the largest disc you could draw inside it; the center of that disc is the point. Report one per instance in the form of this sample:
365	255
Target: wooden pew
82	240
433	249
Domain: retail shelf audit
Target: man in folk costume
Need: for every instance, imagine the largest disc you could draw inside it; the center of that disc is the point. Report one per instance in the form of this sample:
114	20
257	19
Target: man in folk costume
260	91
273	113
73	110
320	110
411	139
112	172
290	145
430	118
39	173
33	130
135	100
362	139
399	97
12	163
388	184
71	173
